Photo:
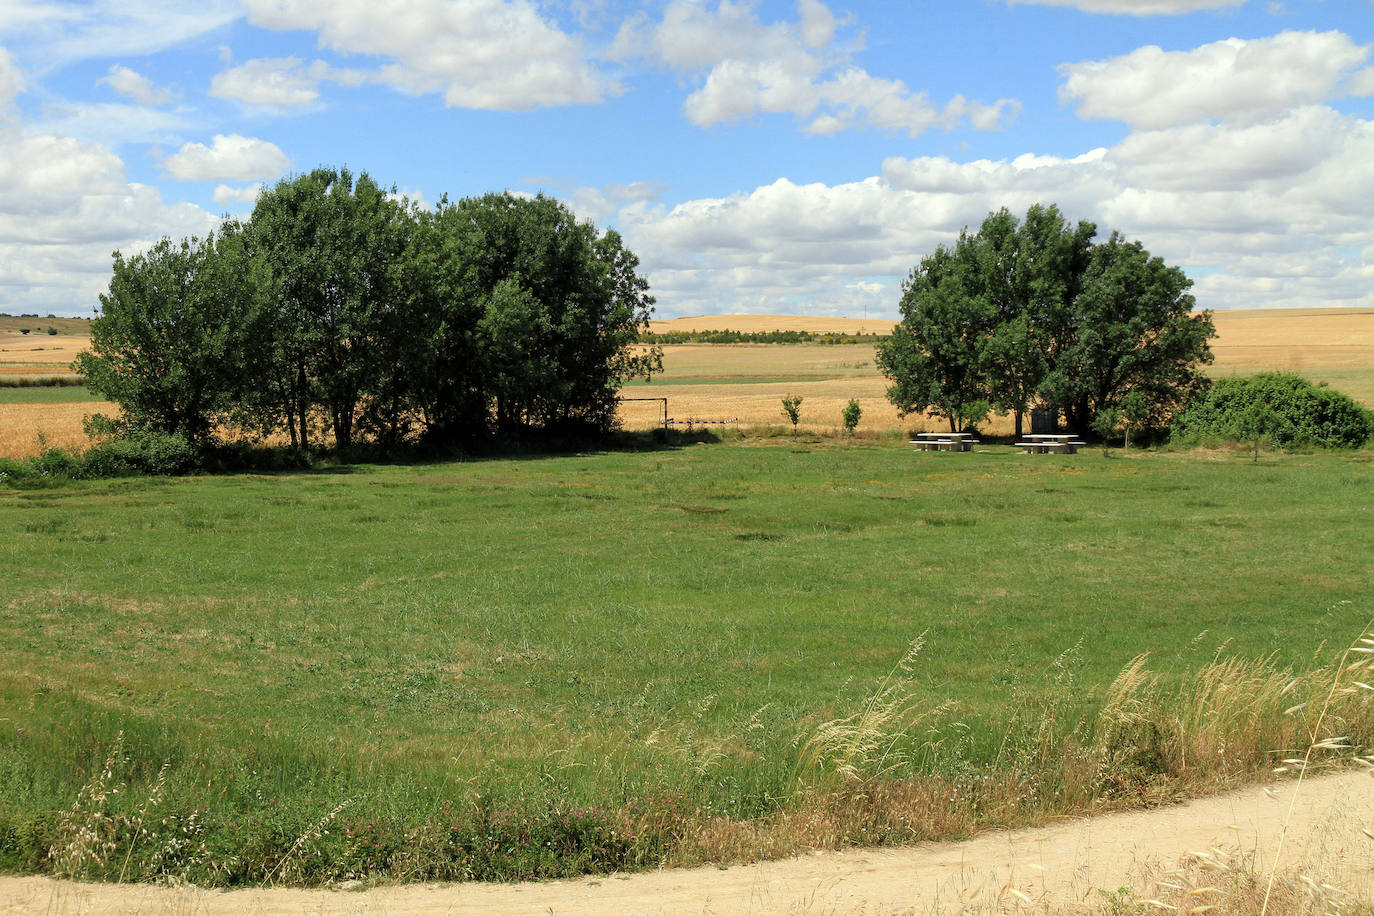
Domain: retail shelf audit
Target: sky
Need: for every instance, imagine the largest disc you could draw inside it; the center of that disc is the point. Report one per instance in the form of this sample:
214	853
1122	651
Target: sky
794	157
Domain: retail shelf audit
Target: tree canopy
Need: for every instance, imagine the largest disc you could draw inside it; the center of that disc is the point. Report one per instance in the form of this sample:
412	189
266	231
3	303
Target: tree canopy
1033	312
337	306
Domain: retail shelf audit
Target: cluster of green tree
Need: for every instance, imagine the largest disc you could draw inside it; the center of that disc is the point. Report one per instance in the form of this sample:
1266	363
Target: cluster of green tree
1279	408
1035	313
336	304
767	337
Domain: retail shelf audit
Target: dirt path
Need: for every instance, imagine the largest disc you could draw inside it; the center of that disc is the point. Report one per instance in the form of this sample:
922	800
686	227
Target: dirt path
1061	865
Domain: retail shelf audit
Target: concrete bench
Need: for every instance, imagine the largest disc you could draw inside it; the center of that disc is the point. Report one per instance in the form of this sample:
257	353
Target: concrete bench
1045	447
944	445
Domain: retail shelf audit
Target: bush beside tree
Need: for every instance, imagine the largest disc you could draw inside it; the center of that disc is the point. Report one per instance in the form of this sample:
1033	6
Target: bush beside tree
1280	408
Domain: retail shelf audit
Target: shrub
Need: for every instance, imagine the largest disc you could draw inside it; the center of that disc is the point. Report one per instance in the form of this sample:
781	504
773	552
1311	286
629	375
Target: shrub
1295	413
56	462
129	453
851	414
139	452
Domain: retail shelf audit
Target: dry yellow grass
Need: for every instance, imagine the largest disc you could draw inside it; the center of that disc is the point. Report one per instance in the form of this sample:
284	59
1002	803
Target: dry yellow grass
31	351
22	425
1325	345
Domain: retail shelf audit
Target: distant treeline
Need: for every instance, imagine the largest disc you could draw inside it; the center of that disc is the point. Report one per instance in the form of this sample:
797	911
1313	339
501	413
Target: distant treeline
765	337
337	308
42	381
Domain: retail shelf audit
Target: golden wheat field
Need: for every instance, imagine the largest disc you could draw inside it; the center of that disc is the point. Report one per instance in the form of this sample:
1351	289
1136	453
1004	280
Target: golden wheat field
745	383
26	427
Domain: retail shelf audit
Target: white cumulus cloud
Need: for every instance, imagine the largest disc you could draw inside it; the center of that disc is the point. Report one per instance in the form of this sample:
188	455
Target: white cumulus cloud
1231	80
1265	215
267	81
281	82
751	67
247	194
65	204
136	86
488	54
229	157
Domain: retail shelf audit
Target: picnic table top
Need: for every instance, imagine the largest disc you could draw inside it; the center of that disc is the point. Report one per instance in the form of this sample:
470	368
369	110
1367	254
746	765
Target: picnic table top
1065	436
945	435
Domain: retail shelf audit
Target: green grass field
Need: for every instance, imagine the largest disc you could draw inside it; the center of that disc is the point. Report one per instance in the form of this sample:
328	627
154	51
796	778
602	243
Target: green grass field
44	394
648	633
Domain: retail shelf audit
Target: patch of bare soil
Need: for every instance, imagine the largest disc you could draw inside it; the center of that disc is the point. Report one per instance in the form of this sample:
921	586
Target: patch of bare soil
1071	866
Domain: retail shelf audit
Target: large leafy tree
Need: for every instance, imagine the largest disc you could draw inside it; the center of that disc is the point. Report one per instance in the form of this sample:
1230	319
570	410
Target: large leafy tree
557	308
168	343
1031	311
1133	332
933	356
328	240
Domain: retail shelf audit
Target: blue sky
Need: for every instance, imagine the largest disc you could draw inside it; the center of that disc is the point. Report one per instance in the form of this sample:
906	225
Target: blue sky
767	157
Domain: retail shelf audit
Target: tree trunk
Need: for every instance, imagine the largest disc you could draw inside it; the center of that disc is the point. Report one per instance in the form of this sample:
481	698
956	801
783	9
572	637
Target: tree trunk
302	408
1019	415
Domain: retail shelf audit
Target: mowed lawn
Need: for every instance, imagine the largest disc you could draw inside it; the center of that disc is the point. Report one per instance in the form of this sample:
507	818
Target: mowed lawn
596	628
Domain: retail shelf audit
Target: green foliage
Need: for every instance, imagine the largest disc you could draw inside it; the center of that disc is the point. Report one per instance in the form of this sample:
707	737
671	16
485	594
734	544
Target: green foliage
141	452
851	414
326	242
126	452
933	356
1106	424
43	381
1133	330
1033	312
791	408
1135	412
1281	408
168	344
335	302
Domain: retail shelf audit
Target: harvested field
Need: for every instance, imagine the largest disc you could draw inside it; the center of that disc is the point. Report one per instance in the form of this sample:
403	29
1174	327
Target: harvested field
48	353
1335	346
22	425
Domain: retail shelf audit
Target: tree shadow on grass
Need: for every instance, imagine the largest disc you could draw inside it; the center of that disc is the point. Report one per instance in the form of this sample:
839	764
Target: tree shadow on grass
254	459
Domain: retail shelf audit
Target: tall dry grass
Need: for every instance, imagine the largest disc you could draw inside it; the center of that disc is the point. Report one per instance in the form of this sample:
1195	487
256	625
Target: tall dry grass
883	775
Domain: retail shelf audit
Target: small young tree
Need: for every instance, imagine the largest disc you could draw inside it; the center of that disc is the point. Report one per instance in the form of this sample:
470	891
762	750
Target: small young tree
1105	424
791	408
851	414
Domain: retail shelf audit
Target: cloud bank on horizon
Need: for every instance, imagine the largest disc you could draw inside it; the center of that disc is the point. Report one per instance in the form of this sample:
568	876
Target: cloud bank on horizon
769	157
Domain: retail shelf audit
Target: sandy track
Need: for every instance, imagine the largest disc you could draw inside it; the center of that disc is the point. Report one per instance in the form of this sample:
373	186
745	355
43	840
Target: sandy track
1061	865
